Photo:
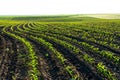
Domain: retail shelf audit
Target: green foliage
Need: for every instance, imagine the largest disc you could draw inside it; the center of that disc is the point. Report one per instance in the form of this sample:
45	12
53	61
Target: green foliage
102	69
89	59
111	56
83	39
32	58
50	47
71	72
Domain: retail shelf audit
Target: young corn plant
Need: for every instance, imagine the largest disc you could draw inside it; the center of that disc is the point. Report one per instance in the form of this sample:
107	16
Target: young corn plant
103	70
110	56
89	59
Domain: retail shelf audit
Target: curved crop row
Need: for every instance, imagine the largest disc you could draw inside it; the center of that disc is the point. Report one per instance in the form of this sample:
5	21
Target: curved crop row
32	58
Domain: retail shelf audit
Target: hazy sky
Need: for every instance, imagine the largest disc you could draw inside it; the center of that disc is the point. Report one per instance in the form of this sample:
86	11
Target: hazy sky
46	7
